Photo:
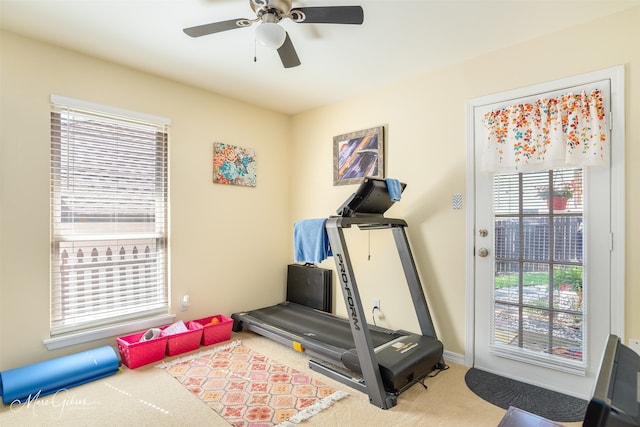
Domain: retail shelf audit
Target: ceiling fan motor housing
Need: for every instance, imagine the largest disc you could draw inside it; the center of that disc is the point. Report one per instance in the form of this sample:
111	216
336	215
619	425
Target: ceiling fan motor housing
282	7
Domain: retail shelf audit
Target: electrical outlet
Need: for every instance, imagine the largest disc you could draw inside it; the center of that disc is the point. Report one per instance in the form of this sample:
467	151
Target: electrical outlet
376	304
185	302
634	344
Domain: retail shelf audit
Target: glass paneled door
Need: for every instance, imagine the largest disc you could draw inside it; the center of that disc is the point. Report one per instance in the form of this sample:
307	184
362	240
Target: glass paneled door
538	270
542	268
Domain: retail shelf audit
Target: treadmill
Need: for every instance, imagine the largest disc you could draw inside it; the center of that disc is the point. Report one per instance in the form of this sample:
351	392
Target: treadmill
375	360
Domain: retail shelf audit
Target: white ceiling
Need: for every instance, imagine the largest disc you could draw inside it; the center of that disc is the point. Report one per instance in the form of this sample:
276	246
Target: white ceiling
399	38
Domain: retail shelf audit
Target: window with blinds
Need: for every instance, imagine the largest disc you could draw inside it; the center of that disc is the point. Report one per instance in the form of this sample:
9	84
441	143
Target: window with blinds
538	263
109	220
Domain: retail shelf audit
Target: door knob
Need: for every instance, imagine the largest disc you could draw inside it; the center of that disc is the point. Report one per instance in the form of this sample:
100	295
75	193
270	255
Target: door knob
483	252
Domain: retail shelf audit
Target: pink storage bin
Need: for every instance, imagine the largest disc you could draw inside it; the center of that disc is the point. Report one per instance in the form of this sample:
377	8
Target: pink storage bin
218	332
135	353
183	341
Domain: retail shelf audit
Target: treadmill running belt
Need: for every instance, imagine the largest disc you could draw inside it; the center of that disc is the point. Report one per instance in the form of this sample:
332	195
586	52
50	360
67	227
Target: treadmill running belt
317	325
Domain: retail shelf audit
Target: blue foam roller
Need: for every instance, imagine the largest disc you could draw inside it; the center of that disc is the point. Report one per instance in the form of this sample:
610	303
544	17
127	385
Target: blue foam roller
48	377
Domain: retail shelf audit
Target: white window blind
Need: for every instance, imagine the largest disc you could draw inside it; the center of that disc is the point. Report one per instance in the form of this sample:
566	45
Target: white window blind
538	284
109	220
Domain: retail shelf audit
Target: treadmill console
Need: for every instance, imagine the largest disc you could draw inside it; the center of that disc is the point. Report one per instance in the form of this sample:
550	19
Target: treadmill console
371	198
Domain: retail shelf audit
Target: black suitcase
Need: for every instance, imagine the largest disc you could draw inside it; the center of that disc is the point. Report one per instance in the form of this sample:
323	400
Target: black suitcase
310	286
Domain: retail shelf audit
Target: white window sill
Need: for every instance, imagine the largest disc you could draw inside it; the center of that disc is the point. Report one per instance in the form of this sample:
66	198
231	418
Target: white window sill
539	359
107	331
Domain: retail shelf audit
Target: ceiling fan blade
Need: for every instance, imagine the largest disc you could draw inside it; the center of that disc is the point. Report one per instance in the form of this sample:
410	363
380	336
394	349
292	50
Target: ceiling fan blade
288	54
216	27
328	15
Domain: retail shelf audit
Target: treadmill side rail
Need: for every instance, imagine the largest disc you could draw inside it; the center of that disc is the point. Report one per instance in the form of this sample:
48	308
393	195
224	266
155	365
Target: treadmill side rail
355	311
357	319
415	287
391	399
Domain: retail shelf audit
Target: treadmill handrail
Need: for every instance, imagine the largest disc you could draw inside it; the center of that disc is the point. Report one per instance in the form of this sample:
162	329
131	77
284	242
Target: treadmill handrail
367	222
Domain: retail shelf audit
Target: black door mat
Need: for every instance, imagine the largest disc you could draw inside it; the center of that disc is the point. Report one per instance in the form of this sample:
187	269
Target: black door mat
505	392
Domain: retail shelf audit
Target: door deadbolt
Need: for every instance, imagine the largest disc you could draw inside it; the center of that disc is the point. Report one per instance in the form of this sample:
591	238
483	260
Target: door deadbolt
483	232
483	252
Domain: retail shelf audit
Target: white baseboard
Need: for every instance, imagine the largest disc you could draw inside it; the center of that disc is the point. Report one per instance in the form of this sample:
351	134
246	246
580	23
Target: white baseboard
454	358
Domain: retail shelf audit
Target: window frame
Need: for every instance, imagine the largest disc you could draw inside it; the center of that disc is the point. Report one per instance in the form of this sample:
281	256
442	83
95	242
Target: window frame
615	76
152	228
528	191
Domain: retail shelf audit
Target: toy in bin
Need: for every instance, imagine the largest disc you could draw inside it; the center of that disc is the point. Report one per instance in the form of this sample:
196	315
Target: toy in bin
215	329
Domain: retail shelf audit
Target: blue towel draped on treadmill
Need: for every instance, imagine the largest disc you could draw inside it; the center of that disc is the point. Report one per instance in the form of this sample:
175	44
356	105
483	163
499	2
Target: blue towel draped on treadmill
310	241
394	189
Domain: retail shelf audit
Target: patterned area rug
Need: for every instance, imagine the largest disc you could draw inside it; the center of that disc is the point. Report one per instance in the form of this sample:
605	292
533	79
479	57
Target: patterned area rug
250	390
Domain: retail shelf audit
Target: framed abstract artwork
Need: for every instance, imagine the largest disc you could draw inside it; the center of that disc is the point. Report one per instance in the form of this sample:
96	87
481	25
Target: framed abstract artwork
358	154
234	165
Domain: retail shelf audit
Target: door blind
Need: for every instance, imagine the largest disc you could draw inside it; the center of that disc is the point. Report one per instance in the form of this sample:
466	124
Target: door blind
538	264
108	217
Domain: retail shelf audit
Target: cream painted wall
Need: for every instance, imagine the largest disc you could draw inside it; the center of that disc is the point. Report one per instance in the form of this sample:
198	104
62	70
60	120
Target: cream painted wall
229	244
426	148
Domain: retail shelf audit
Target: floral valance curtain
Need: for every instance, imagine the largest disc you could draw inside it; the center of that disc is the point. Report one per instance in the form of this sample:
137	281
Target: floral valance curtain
569	130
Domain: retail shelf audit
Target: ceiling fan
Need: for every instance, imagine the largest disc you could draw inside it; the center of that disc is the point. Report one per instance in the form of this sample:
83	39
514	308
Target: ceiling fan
269	33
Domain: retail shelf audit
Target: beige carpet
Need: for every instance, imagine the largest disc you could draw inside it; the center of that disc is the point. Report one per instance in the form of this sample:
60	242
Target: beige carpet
148	396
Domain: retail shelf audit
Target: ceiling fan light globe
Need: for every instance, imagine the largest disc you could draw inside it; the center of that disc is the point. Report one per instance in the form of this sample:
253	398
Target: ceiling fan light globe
270	35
